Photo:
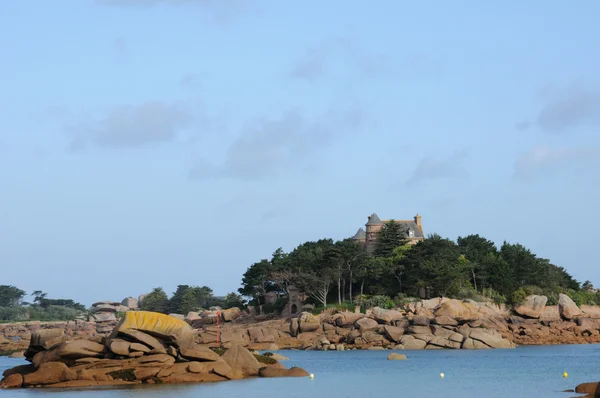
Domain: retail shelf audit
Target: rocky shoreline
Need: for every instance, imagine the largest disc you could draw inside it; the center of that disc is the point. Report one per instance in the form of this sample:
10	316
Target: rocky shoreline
88	346
144	347
438	323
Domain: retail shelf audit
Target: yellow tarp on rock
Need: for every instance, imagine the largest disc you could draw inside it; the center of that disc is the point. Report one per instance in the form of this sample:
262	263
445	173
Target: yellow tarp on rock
158	325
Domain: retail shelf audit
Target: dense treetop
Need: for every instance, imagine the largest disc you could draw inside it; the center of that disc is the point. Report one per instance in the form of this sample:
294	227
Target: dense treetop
470	267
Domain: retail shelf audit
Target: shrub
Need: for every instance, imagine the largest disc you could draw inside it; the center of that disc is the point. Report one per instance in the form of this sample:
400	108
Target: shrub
265	359
219	350
307	308
123	374
518	296
493	295
379	301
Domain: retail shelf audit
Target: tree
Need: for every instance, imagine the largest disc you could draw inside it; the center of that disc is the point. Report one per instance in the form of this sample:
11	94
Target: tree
156	301
10	296
395	264
233	300
176	299
476	248
435	264
389	237
316	284
256	282
587	286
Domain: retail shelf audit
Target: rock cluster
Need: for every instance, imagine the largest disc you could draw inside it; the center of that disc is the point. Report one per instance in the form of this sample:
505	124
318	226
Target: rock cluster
105	313
427	324
15	337
144	347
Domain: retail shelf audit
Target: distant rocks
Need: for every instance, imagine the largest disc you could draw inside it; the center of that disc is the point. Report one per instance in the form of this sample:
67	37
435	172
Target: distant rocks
106	313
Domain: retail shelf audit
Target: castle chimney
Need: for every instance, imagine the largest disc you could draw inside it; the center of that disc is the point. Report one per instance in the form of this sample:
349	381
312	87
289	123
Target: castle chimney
418	220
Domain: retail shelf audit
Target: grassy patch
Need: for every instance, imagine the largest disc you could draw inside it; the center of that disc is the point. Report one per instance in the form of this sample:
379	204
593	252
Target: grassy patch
6	353
219	350
124	374
265	359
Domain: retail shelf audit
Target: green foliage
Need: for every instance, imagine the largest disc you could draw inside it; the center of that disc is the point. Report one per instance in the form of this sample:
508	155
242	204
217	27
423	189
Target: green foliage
10	296
156	301
379	301
389	238
123	374
267	354
276	307
233	300
307	308
189	298
492	295
473	267
265	359
219	350
518	296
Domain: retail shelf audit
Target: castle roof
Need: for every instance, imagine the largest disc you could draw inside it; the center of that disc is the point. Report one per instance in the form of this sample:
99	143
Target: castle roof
374	220
360	234
407	225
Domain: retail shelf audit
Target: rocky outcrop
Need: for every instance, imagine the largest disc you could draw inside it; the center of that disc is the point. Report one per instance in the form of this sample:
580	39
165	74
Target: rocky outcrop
15	337
107	313
567	307
532	306
145	347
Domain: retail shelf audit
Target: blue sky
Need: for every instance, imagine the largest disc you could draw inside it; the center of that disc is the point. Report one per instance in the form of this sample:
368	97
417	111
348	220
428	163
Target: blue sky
153	143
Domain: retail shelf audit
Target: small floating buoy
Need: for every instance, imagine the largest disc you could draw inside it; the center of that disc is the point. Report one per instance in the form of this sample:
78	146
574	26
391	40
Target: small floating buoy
565	375
441	375
312	376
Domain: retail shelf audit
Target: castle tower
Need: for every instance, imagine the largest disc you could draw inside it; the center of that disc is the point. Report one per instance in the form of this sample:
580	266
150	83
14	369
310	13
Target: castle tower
360	237
373	225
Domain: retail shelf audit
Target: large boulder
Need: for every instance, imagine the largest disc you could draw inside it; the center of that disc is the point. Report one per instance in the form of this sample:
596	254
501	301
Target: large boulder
153	343
385	316
49	373
131	303
532	306
238	357
231	314
270	371
69	351
365	324
344	319
393	333
44	339
456	309
308	322
199	353
165	327
567	307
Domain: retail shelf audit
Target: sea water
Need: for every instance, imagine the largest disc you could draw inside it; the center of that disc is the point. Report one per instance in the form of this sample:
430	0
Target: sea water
535	371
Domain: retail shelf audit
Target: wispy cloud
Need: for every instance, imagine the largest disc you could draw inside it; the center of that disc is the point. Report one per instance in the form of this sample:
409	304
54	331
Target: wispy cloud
268	145
544	159
566	108
131	126
430	168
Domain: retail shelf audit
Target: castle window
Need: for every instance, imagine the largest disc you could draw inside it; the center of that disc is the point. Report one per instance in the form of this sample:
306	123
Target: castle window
411	233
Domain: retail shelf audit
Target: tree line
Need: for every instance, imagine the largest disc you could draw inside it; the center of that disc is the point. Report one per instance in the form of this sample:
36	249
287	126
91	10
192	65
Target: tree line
14	308
470	267
188	298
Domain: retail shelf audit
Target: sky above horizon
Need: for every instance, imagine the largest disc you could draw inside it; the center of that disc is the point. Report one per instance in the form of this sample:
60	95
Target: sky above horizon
151	143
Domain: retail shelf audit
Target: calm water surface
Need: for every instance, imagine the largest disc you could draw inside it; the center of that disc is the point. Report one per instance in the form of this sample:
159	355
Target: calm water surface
521	372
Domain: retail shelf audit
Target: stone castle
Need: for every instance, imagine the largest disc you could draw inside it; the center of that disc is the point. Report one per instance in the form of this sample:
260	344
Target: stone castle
413	230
